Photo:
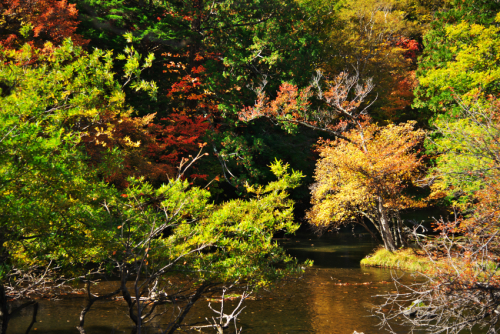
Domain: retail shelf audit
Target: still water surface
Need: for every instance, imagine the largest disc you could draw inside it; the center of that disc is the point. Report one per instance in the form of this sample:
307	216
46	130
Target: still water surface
313	304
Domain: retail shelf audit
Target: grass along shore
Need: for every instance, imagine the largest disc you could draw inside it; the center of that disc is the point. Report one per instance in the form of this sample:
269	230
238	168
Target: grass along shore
404	259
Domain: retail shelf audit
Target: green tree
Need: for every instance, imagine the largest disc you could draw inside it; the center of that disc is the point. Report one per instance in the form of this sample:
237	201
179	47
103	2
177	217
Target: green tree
208	55
466	149
48	187
58	210
455	295
174	234
460	59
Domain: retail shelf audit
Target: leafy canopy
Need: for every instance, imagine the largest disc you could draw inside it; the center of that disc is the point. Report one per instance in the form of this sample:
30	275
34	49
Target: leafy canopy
460	62
356	175
49	101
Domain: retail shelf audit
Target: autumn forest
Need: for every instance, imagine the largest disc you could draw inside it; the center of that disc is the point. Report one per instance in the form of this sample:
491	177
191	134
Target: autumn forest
169	145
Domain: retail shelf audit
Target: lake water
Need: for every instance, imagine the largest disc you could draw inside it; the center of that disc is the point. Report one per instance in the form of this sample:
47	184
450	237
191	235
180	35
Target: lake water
314	304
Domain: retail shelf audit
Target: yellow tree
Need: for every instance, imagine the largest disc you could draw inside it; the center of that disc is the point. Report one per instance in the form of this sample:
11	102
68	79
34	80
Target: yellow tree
363	178
363	173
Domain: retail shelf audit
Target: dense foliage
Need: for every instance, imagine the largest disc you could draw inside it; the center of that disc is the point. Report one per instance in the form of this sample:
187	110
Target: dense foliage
365	177
64	141
134	134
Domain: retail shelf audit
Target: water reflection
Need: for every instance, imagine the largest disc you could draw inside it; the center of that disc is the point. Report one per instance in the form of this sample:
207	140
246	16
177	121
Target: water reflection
314	304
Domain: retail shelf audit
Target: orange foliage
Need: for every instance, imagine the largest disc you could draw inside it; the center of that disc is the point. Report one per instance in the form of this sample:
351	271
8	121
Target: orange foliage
466	273
401	95
460	291
364	172
179	136
289	102
131	136
151	150
410	47
400	92
188	92
344	104
365	176
51	20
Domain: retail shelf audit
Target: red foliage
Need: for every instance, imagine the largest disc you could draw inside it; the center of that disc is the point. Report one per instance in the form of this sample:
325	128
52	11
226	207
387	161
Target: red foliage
410	46
293	106
189	76
401	95
177	137
180	134
131	136
52	20
289	103
152	150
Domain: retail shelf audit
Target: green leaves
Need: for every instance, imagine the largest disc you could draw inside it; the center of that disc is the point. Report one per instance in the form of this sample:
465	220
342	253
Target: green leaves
459	79
461	64
466	148
230	242
51	102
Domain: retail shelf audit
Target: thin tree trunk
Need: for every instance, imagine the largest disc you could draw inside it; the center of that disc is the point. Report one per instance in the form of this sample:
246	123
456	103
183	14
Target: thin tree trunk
385	227
186	309
394	233
126	294
92	300
4	305
139	308
374	235
33	318
404	242
6	315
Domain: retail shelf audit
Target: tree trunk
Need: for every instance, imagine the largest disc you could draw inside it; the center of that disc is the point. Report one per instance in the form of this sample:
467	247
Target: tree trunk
126	294
195	46
5	314
385	227
33	318
4	311
4	305
195	43
374	235
400	225
91	300
198	293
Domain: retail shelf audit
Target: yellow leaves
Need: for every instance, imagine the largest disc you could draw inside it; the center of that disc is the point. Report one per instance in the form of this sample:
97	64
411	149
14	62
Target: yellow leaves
350	177
146	119
128	142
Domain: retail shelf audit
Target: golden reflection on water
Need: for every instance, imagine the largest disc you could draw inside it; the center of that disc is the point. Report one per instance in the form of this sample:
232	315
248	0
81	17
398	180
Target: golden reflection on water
333	307
314	304
342	309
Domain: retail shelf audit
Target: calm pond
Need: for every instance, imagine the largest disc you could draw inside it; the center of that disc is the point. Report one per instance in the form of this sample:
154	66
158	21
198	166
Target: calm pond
313	304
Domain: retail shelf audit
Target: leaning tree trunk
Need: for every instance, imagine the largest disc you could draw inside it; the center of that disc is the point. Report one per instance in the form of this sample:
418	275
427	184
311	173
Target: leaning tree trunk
385	227
4	306
6	313
374	235
191	300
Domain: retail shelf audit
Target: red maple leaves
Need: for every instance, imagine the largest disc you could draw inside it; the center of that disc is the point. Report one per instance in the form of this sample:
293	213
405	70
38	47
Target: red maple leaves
51	20
176	137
